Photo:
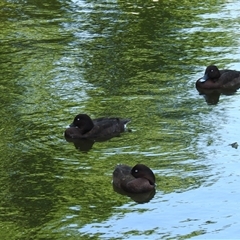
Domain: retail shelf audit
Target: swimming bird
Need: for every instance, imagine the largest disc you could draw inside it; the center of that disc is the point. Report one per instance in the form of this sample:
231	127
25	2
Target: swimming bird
219	79
139	179
83	127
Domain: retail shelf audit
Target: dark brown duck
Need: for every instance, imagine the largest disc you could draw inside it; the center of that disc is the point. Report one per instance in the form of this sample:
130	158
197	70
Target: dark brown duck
219	79
101	128
138	179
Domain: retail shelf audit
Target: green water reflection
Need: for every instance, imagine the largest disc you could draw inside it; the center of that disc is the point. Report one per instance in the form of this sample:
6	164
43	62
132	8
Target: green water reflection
134	60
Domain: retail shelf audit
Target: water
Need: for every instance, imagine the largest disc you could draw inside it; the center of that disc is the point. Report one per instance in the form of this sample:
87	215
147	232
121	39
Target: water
137	60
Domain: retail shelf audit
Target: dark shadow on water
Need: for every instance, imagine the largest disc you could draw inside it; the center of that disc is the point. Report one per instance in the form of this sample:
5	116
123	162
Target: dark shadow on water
137	197
212	96
85	145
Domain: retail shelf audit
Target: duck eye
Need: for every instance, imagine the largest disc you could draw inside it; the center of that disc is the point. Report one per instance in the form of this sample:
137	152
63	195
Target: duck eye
136	171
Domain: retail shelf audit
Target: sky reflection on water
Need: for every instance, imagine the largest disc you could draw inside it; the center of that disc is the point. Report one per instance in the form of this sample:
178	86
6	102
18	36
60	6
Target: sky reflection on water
138	61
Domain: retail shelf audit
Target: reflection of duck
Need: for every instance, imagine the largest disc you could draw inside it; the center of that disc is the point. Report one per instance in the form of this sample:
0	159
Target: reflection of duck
137	197
83	145
219	79
83	127
139	179
212	96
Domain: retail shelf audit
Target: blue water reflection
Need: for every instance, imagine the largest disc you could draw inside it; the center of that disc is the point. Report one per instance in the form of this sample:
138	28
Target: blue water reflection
115	58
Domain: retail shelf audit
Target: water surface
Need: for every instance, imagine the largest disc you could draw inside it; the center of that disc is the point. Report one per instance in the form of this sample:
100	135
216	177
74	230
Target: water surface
137	60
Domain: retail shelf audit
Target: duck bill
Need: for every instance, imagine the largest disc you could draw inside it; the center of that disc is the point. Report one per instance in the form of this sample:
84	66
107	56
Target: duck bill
72	125
203	79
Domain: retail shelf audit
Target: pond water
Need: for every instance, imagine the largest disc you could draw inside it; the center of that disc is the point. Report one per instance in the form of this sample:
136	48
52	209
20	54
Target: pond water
131	59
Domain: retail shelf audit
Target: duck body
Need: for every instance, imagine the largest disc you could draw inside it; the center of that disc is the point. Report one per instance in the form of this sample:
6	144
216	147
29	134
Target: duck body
139	179
219	79
83	127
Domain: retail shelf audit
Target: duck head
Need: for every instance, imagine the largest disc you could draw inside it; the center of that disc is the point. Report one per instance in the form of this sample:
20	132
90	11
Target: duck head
83	122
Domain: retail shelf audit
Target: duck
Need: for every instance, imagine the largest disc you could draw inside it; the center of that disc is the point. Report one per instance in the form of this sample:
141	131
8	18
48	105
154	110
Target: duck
137	179
83	127
219	79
